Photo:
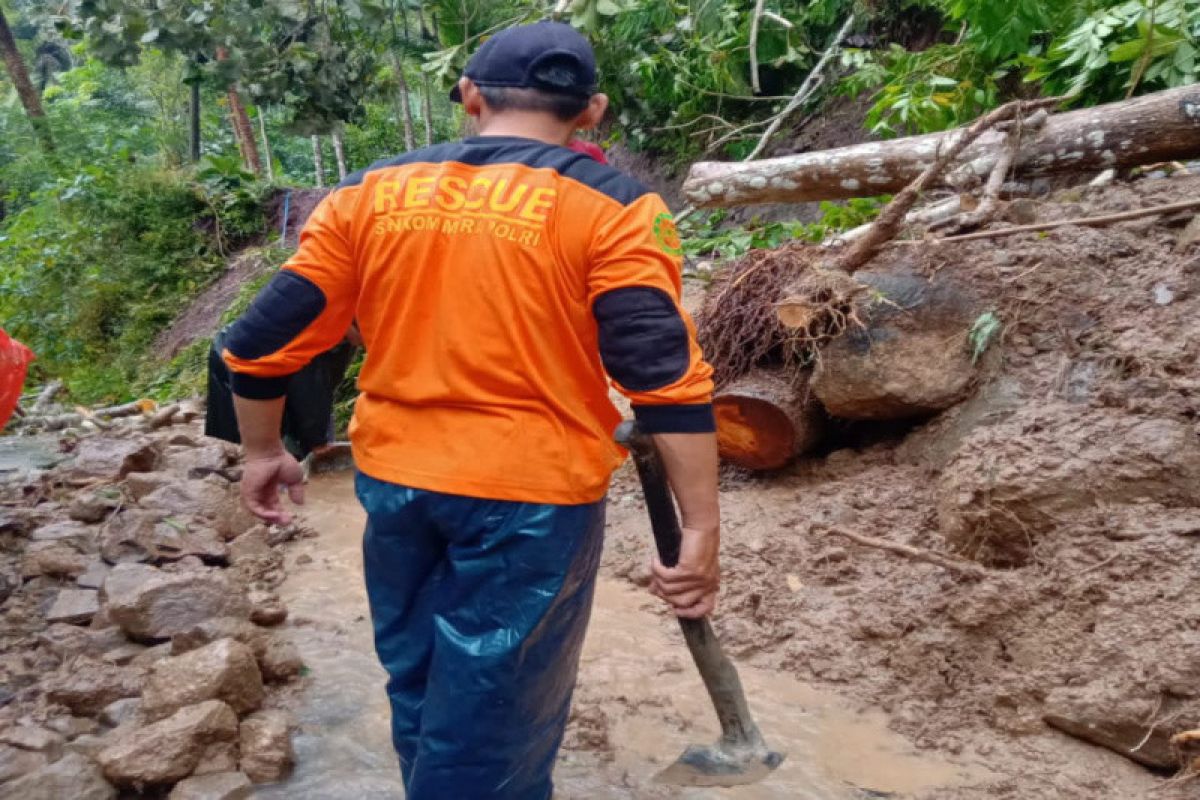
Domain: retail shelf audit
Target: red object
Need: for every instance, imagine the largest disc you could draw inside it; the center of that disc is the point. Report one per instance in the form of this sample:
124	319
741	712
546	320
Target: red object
14	363
588	149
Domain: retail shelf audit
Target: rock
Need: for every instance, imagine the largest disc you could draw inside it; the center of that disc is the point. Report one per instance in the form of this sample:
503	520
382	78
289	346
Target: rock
137	536
10	581
186	564
121	711
68	533
121	537
266	746
73	727
140	484
74	606
95	506
89	745
55	560
151	604
279	660
15	762
18	522
224	670
93	577
149	656
87	686
205	497
218	786
1120	719
1009	484
124	653
218	757
65	640
1189	235
912	359
112	459
172	539
251	544
1164	295
234	520
73	776
169	750
237	628
266	608
189	410
33	738
196	459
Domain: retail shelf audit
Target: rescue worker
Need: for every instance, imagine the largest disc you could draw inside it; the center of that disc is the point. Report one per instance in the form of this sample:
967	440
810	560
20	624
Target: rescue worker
499	282
307	428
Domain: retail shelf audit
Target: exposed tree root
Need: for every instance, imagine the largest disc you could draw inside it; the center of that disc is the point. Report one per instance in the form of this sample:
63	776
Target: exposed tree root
964	569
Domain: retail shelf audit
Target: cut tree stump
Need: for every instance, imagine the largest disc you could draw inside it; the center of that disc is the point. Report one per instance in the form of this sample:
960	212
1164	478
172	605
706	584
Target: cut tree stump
764	420
1163	126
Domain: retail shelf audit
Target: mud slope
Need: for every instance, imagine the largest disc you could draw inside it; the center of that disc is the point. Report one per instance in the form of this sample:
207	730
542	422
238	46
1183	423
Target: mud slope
1071	473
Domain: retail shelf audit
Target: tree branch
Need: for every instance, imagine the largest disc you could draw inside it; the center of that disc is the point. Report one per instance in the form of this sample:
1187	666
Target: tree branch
804	92
891	219
966	569
1107	219
759	8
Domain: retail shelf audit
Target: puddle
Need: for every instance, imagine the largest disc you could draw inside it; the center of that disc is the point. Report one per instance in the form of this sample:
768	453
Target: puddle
19	453
635	668
636	665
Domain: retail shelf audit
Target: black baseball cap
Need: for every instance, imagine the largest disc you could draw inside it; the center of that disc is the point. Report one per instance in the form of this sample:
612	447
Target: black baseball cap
548	56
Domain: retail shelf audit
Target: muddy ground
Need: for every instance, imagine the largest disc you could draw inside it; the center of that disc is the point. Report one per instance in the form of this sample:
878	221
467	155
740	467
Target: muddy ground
1070	471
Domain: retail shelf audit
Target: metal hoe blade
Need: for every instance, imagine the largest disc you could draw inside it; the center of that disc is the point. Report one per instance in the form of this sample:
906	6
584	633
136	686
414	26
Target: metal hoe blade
720	765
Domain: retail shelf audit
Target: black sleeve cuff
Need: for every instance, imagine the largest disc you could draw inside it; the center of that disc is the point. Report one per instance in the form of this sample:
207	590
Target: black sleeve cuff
676	419
253	387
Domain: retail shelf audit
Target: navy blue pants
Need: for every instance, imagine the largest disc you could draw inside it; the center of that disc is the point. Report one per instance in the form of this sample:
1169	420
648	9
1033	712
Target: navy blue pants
480	609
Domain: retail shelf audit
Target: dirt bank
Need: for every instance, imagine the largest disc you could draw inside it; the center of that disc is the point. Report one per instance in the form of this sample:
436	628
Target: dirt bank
1070	472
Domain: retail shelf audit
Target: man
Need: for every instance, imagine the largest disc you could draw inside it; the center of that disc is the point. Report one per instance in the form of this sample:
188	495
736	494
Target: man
307	427
495	281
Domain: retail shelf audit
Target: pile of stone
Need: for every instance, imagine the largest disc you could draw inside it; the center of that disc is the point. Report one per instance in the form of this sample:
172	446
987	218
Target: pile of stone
138	642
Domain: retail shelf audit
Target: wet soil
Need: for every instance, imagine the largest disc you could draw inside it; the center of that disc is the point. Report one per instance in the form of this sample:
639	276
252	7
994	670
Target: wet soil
639	702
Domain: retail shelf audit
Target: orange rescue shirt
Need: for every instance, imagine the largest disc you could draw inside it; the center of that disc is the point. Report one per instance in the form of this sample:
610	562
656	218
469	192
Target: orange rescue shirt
499	284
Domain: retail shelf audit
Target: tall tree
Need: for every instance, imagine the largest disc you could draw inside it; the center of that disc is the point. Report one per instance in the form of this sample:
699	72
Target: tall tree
339	153
30	98
318	161
241	124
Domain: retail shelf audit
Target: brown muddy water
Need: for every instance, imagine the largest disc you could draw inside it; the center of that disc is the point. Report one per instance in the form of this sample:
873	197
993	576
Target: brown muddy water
635	679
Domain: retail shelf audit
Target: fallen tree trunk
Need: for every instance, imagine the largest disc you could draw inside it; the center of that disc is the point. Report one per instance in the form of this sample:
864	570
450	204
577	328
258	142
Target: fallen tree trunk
764	420
1163	126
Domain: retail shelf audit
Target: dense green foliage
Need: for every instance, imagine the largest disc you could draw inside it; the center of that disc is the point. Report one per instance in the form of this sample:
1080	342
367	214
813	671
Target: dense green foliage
101	244
1092	51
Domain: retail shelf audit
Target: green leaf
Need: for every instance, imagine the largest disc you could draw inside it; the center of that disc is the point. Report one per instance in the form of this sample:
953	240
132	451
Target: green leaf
1127	51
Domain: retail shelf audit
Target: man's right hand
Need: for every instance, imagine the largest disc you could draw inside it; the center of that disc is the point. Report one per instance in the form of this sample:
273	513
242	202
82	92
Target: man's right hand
691	585
263	480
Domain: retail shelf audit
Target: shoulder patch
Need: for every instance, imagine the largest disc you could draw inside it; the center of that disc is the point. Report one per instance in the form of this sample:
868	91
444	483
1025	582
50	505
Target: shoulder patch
667	234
